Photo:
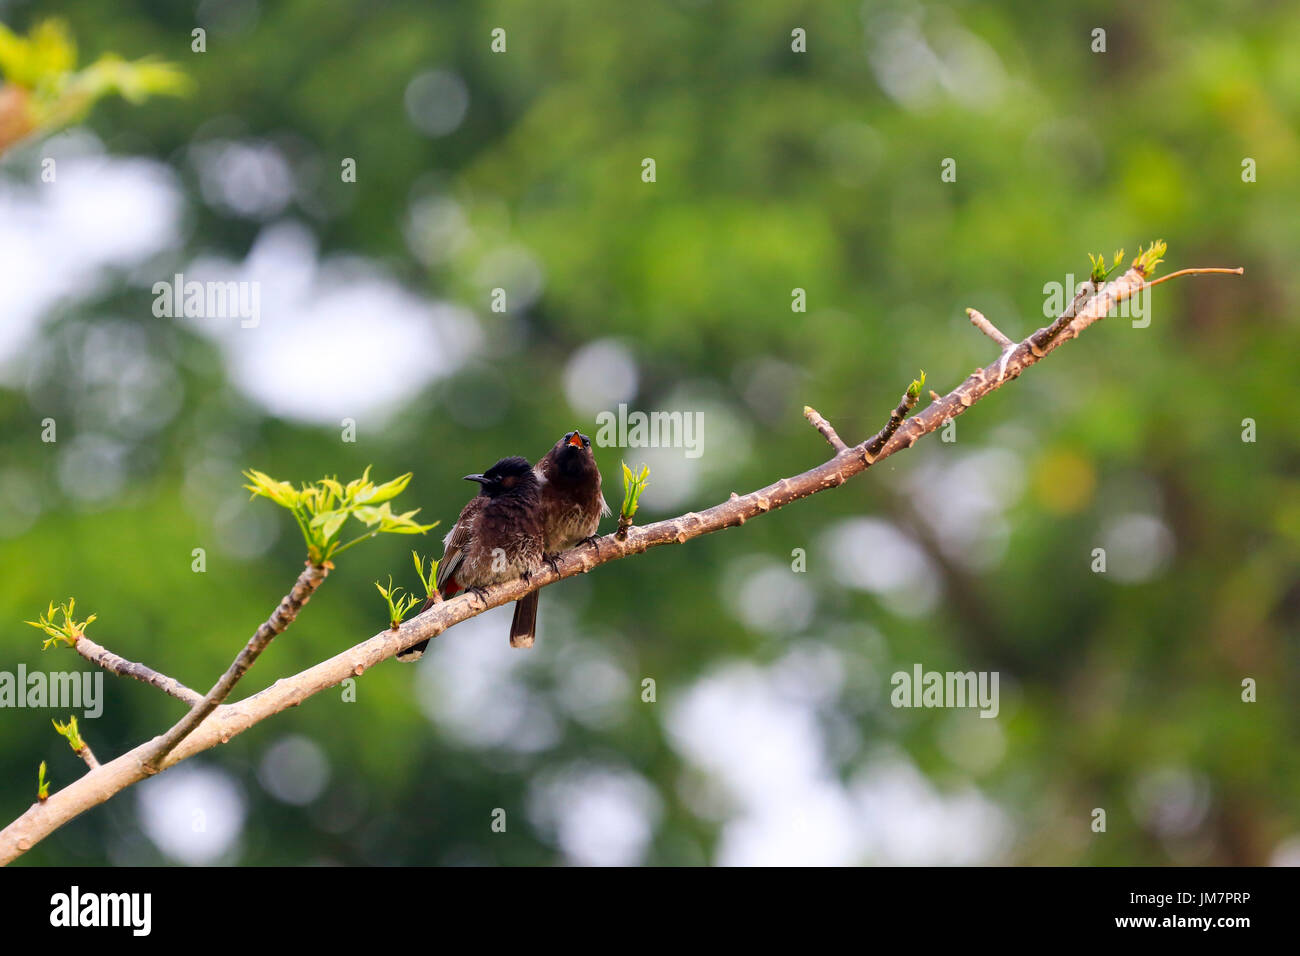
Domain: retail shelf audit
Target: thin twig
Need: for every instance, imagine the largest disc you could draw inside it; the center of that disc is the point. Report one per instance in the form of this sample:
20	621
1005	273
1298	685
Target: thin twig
822	425
1037	342
989	329
871	447
284	615
993	332
103	657
87	755
1240	270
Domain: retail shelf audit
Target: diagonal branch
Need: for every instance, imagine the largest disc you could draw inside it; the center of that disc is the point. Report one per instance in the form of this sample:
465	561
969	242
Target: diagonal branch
988	328
310	578
225	721
822	425
86	754
102	656
870	449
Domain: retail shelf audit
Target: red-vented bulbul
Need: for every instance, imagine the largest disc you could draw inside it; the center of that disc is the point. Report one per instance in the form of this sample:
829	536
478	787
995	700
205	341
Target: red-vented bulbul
572	504
571	508
498	536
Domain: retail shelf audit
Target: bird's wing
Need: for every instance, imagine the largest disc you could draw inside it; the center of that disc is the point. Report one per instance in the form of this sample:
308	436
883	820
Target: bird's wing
604	505
457	542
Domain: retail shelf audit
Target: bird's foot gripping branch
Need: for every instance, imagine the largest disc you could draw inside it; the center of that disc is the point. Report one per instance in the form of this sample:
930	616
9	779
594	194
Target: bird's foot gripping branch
324	509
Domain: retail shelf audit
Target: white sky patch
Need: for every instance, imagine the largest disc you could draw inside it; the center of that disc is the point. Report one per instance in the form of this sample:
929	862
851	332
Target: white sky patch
964	497
514	269
127	385
436	229
337	338
597	815
766	596
92	468
1171	801
471	686
758	735
62	241
907	822
1286	853
248	178
592	685
599	376
294	769
1138	547
193	813
766	750
873	555
917	72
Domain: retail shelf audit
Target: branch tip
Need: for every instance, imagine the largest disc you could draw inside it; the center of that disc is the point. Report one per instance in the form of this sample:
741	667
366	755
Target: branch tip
988	328
825	428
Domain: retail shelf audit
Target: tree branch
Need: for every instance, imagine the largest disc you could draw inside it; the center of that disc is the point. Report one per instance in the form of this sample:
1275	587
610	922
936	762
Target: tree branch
103	657
86	754
218	723
822	425
284	615
988	328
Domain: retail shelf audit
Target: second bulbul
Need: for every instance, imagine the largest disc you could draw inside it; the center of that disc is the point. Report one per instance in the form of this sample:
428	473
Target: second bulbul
497	537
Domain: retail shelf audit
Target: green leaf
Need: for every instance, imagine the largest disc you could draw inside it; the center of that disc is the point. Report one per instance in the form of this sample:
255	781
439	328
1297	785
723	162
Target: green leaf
281	492
328	523
70	731
372	516
386	491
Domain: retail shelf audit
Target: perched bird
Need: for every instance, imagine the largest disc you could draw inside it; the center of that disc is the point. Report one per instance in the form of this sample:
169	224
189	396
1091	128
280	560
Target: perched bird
498	536
572	504
571	509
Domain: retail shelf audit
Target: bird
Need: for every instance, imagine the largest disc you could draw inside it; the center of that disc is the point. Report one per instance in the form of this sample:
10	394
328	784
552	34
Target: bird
497	537
572	503
571	508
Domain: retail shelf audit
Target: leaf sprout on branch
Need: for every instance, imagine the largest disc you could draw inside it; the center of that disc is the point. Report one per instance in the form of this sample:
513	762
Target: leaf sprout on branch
69	632
70	731
428	580
398	603
323	508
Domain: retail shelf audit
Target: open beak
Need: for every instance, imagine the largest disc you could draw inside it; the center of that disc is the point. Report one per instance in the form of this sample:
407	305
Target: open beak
479	478
576	440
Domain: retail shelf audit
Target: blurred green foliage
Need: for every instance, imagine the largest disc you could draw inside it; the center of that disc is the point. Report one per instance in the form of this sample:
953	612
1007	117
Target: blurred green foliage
775	171
44	91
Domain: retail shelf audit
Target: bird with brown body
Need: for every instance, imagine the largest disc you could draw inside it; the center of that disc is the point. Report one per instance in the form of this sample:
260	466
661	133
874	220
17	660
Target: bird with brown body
571	507
572	503
497	537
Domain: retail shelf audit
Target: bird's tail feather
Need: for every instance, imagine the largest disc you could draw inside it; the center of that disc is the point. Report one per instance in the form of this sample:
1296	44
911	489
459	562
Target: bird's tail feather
523	627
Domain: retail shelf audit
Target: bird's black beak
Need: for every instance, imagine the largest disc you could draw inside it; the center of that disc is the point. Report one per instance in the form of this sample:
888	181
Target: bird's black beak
479	478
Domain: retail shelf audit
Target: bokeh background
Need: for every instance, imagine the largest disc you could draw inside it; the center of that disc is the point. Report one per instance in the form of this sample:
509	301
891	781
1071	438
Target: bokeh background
771	738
